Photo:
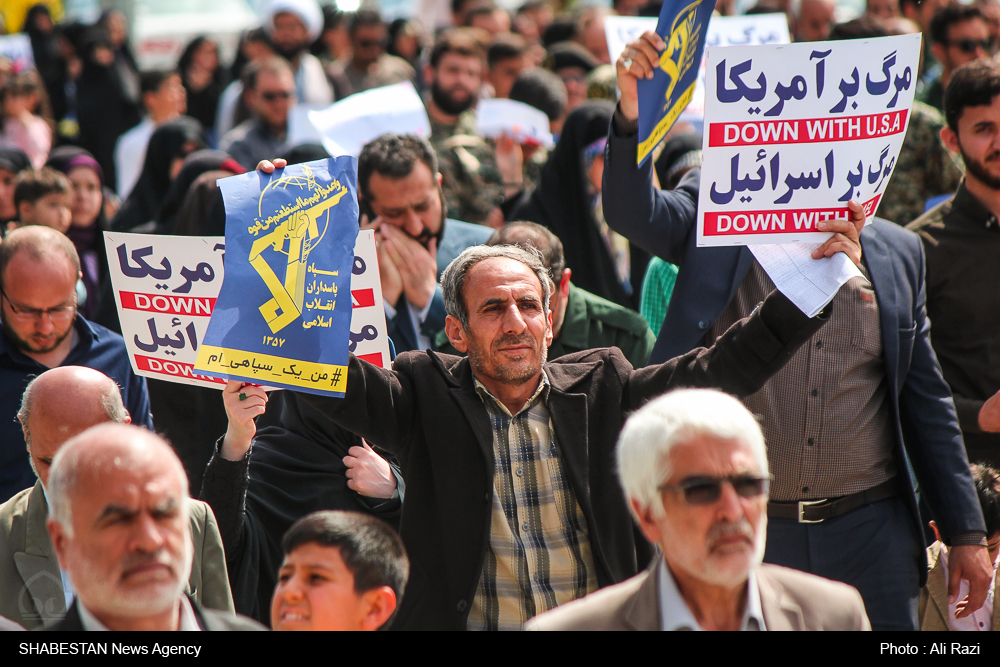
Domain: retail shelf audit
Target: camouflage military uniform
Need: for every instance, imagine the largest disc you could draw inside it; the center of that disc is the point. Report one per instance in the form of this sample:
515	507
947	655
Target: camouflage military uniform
924	169
470	178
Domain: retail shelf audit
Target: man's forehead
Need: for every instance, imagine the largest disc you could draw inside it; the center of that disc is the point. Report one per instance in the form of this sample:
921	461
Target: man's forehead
707	455
981	112
503	277
413	188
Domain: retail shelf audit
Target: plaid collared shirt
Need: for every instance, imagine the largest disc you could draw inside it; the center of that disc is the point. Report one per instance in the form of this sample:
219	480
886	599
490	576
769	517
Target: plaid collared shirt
539	552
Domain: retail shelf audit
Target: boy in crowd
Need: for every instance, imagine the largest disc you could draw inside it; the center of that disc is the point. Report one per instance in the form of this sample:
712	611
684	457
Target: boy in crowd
43	197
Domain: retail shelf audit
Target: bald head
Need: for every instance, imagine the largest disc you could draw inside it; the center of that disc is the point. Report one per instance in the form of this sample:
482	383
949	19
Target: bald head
39	244
62	403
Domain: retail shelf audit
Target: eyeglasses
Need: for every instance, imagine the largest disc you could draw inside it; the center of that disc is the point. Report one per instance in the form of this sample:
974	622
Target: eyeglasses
572	78
60	314
271	96
371	43
706	490
970	45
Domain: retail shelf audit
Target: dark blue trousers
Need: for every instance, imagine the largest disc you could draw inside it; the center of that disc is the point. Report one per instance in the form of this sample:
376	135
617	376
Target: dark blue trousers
874	548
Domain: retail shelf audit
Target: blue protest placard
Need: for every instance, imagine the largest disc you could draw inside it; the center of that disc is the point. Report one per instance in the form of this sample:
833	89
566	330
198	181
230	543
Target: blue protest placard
284	313
683	25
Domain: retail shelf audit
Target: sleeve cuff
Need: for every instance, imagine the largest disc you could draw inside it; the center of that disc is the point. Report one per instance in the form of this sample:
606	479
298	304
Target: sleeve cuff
622	126
972	538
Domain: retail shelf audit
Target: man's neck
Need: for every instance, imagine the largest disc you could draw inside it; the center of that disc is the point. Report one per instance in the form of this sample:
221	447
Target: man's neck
513	397
439	116
362	67
55	358
277	131
169	620
160	119
987	196
714	607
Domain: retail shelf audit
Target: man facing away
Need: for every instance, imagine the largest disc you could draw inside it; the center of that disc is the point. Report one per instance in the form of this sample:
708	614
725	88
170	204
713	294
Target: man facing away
58	405
694	468
119	524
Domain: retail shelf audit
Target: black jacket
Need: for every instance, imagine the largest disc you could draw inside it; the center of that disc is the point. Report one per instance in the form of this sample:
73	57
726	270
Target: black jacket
208	620
427	412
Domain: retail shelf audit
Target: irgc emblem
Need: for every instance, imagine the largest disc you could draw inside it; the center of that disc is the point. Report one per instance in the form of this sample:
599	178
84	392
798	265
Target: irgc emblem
681	51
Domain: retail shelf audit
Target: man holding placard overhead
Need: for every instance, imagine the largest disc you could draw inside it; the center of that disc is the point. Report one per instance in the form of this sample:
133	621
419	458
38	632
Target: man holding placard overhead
856	408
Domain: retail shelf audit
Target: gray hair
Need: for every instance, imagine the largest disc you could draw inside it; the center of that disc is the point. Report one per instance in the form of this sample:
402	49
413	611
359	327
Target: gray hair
111	403
453	279
673	419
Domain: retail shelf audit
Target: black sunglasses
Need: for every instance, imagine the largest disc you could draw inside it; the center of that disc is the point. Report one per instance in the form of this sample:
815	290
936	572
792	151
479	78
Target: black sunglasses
970	45
705	490
271	96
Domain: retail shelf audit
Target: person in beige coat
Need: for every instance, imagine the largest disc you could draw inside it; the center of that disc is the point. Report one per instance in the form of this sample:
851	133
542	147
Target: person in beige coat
936	613
58	405
693	466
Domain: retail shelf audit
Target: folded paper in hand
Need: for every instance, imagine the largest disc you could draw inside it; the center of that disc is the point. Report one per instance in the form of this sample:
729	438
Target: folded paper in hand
808	283
523	122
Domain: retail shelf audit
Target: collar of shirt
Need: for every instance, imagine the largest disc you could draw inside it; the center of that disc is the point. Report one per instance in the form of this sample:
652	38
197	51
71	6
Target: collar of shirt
675	614
542	387
67	585
85	338
970	210
189	622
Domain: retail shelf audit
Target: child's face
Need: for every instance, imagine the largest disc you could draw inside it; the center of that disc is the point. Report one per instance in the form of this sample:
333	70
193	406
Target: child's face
53	210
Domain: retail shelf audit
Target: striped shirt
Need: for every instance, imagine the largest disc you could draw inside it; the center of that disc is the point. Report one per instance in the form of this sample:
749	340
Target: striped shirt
539	552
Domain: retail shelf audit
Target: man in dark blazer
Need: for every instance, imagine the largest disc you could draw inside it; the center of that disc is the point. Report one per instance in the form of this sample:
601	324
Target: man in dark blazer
446	419
119	525
877	375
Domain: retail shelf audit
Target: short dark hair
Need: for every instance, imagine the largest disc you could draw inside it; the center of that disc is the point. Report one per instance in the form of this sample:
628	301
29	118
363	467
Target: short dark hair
456	40
973	84
987	481
524	234
481	8
862	27
393	156
33	184
272	64
542	89
504	47
152	81
948	16
365	17
370	549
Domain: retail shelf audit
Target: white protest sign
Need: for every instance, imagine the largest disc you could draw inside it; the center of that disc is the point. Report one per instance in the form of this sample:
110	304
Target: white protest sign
722	31
17	48
166	286
792	133
523	122
346	126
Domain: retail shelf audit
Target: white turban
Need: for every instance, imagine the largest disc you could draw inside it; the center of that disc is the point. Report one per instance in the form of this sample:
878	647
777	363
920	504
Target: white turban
307	10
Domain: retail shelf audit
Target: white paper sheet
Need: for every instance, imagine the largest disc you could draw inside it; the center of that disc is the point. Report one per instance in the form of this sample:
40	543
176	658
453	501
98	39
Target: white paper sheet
346	126
808	283
523	122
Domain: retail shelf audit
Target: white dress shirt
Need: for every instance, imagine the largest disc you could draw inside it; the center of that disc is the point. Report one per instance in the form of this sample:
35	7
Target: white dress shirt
675	614
981	619
130	154
189	622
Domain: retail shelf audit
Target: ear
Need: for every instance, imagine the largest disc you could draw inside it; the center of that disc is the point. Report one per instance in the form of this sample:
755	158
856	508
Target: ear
950	139
428	74
647	525
456	333
378	605
25	209
60	541
128	418
549	336
440	180
564	282
938	51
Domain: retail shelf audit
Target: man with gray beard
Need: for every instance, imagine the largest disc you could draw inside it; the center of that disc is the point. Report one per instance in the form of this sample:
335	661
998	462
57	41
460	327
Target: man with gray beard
118	519
694	468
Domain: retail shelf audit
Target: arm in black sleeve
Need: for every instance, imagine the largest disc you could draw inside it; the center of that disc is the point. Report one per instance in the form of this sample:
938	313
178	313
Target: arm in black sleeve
224	488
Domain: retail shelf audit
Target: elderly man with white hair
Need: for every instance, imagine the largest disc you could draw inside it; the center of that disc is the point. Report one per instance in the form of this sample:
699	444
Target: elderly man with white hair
119	514
694	468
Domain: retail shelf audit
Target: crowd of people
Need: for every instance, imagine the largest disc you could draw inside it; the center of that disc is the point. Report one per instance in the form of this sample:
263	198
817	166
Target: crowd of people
557	445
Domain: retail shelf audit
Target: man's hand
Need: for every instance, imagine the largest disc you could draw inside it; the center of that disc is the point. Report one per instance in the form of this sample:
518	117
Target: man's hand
971	563
368	473
392	282
643	58
417	265
510	162
241	414
846	237
268	166
989	414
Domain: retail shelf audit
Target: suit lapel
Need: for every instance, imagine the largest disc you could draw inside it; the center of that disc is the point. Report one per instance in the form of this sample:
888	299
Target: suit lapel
642	611
463	392
37	564
780	611
883	280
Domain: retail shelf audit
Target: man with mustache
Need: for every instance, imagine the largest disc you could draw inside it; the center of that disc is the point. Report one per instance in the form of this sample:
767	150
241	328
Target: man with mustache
118	520
694	468
962	240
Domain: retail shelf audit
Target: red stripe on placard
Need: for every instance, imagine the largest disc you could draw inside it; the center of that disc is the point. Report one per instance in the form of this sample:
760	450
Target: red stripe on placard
363	298
375	358
171	304
172	368
741	223
806	130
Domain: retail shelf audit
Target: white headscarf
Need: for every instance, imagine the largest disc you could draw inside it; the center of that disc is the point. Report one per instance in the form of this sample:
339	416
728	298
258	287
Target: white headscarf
307	10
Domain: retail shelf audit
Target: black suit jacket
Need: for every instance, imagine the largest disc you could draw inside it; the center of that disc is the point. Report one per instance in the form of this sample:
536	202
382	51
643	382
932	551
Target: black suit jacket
923	413
208	620
427	412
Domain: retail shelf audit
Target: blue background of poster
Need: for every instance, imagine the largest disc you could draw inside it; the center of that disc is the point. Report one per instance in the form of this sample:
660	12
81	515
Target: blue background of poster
683	25
297	255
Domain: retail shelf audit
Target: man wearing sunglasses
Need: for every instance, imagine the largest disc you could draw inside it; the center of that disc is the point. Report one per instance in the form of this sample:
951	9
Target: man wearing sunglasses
694	468
959	34
39	268
368	65
269	91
